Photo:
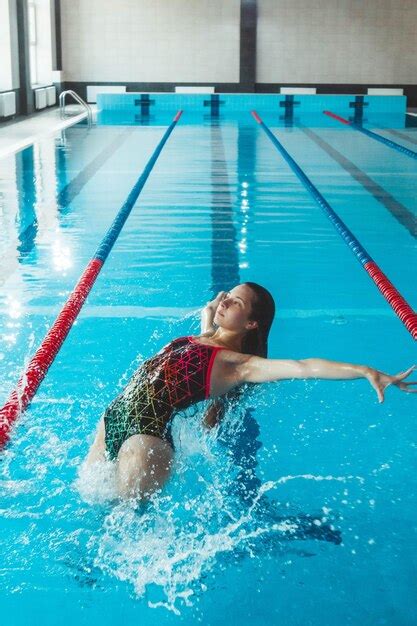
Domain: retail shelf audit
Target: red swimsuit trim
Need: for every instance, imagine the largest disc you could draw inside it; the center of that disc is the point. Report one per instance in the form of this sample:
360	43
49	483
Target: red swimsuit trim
211	362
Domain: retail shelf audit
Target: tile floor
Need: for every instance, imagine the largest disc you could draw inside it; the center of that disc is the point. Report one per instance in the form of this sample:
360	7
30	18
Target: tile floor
18	134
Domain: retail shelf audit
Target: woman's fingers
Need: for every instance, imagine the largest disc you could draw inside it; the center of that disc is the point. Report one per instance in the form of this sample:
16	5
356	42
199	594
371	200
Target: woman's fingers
405	387
381	381
403	375
398	379
378	388
217	299
409	382
380	393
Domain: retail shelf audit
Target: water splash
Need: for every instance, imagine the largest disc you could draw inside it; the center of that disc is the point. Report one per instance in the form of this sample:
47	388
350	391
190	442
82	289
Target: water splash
167	547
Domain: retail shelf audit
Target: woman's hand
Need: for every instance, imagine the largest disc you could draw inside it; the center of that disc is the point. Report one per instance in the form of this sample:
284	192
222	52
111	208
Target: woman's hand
381	381
213	304
208	313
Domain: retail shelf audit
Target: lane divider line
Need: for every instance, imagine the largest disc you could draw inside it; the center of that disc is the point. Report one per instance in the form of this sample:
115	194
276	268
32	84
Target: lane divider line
369	133
399	211
43	358
390	293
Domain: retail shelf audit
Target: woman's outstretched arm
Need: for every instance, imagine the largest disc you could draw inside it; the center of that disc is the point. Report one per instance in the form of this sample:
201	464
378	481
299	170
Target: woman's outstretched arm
254	369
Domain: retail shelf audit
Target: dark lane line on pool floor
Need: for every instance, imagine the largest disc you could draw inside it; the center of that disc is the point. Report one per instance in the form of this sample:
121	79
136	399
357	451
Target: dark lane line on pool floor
34	373
394	298
224	254
403	215
26	219
397	133
372	135
76	185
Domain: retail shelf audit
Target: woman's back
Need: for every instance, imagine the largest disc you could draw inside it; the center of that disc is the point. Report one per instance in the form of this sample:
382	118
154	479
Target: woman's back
175	378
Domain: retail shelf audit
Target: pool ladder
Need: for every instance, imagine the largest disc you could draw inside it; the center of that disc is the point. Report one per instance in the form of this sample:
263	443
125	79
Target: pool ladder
73	94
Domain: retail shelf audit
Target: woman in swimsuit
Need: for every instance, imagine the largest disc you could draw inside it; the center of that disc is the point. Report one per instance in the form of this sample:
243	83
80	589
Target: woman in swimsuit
231	351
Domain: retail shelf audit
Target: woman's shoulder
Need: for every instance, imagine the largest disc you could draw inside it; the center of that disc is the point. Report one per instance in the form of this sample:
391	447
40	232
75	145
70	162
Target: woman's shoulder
231	357
205	340
226	353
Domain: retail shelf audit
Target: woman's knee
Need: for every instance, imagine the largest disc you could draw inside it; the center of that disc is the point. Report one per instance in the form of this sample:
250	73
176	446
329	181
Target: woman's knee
96	452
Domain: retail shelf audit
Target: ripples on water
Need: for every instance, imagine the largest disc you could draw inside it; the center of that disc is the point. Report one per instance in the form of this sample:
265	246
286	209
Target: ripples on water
214	512
62	528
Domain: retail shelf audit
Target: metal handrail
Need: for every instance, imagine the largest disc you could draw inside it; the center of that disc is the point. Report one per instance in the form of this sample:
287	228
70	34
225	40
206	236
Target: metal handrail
73	94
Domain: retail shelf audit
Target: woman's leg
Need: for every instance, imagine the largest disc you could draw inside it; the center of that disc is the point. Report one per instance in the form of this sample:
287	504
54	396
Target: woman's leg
98	448
143	466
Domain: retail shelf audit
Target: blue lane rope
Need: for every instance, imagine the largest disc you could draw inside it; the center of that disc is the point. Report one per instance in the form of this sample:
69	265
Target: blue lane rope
107	243
390	293
369	133
359	251
43	358
391	144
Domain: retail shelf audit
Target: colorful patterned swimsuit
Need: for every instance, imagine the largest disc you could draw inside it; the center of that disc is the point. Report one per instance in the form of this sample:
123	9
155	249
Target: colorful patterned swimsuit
174	379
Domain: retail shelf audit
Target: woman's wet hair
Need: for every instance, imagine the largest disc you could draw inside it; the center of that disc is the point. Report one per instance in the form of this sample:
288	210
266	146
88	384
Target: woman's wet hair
263	310
256	340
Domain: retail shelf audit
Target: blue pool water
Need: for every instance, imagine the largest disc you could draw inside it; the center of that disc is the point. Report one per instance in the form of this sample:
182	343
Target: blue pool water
220	206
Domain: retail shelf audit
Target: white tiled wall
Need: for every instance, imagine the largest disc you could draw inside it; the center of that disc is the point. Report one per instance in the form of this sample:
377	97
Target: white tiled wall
337	41
151	40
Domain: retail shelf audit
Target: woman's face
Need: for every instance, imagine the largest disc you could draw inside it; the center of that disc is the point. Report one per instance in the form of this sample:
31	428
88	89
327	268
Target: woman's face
234	311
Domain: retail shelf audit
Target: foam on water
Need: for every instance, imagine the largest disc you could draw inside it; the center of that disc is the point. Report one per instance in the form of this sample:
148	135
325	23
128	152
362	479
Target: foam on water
201	521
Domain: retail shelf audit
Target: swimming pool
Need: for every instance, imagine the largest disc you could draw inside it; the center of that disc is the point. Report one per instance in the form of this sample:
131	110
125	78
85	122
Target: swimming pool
220	206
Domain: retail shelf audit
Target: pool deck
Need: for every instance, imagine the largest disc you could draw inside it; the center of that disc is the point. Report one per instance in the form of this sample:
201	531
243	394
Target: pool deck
24	131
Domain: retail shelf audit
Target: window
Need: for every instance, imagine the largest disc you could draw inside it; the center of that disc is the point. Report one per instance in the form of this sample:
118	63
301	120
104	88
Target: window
32	43
6	81
40	41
